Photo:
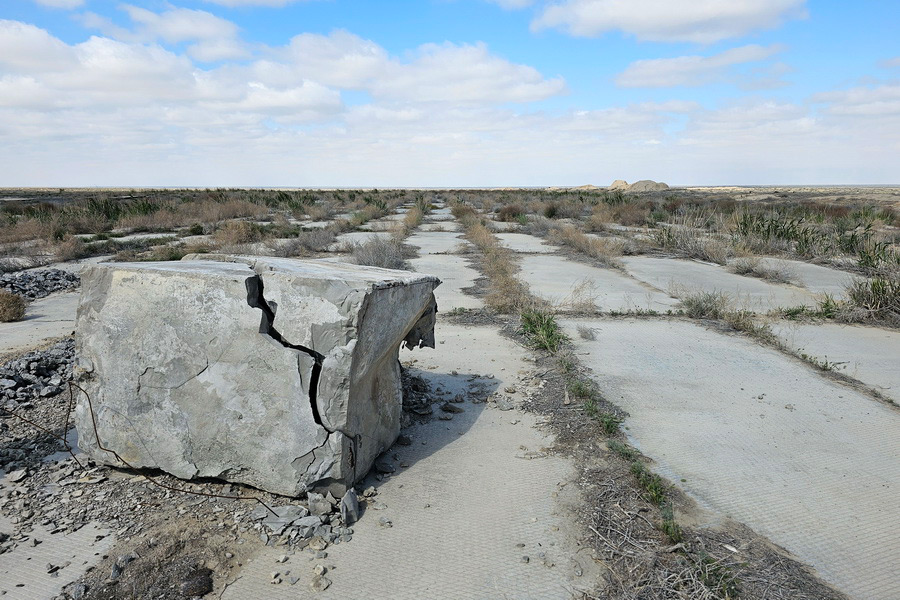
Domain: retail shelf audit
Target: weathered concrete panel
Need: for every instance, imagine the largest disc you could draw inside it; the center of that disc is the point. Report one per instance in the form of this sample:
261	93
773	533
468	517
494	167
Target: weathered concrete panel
277	373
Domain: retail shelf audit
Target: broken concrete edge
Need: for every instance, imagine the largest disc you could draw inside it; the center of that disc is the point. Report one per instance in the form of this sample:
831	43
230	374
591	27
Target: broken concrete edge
340	455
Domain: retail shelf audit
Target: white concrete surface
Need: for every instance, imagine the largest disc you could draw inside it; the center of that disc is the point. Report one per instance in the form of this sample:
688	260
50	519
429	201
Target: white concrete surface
466	499
455	274
45	319
522	242
685	276
815	278
567	282
23	572
764	439
869	354
441	226
356	237
438	242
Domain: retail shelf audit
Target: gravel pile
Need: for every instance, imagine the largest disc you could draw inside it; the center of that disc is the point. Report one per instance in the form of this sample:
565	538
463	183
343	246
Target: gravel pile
39	374
38	284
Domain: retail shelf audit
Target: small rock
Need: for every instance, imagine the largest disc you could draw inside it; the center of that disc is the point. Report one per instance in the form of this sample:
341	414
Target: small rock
451	408
320	570
16	476
404	440
320	584
282	559
371	491
318	543
318	505
350	507
382	465
379	506
525	559
385	522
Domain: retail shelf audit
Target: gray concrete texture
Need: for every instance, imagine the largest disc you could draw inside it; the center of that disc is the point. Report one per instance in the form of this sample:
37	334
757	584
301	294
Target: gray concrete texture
869	354
762	438
523	242
438	242
576	285
466	498
685	276
298	360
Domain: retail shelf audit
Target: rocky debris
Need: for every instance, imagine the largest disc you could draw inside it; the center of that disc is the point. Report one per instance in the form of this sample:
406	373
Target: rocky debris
38	284
302	354
32	386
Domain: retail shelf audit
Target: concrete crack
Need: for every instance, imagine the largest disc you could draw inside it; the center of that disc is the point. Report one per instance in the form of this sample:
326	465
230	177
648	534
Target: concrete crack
256	299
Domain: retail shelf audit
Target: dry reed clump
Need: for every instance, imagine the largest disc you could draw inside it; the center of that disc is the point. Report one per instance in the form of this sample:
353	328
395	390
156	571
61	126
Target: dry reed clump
320	212
510	213
694	244
412	219
387	253
506	293
12	307
874	300
307	242
604	251
754	267
237	232
70	248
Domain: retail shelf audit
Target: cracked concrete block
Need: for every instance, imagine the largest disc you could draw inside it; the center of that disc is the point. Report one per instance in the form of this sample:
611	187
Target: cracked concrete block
277	373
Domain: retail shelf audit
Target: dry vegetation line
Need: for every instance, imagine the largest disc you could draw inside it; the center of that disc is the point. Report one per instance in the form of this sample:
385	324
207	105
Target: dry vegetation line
630	511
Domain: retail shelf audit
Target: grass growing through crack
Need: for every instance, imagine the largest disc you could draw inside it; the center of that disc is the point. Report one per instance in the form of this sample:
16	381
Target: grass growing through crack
653	486
542	331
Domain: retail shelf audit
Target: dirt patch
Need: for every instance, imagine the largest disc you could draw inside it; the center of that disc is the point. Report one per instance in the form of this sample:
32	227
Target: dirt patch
173	558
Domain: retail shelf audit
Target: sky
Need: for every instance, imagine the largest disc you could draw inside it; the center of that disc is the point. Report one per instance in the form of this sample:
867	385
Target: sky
448	93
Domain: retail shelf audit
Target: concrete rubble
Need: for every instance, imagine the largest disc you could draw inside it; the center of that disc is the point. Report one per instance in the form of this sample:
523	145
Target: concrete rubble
277	373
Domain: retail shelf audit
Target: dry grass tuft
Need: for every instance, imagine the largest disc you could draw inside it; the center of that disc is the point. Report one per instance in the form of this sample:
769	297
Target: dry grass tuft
237	232
507	294
387	253
754	267
603	250
12	307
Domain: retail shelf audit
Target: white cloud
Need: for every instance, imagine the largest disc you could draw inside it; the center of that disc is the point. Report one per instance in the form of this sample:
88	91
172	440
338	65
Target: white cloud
132	112
891	63
61	3
215	38
874	101
701	21
451	73
431	73
691	70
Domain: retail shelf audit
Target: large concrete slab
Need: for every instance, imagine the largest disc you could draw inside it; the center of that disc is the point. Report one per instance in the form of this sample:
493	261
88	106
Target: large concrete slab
869	354
764	439
685	276
455	275
568	282
465	510
522	242
297	360
437	242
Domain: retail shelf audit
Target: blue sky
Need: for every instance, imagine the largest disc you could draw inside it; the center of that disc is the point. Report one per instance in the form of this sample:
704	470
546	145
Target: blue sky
448	92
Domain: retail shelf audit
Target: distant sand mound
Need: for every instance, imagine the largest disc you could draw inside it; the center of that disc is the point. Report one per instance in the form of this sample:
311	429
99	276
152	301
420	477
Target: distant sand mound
647	185
644	185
